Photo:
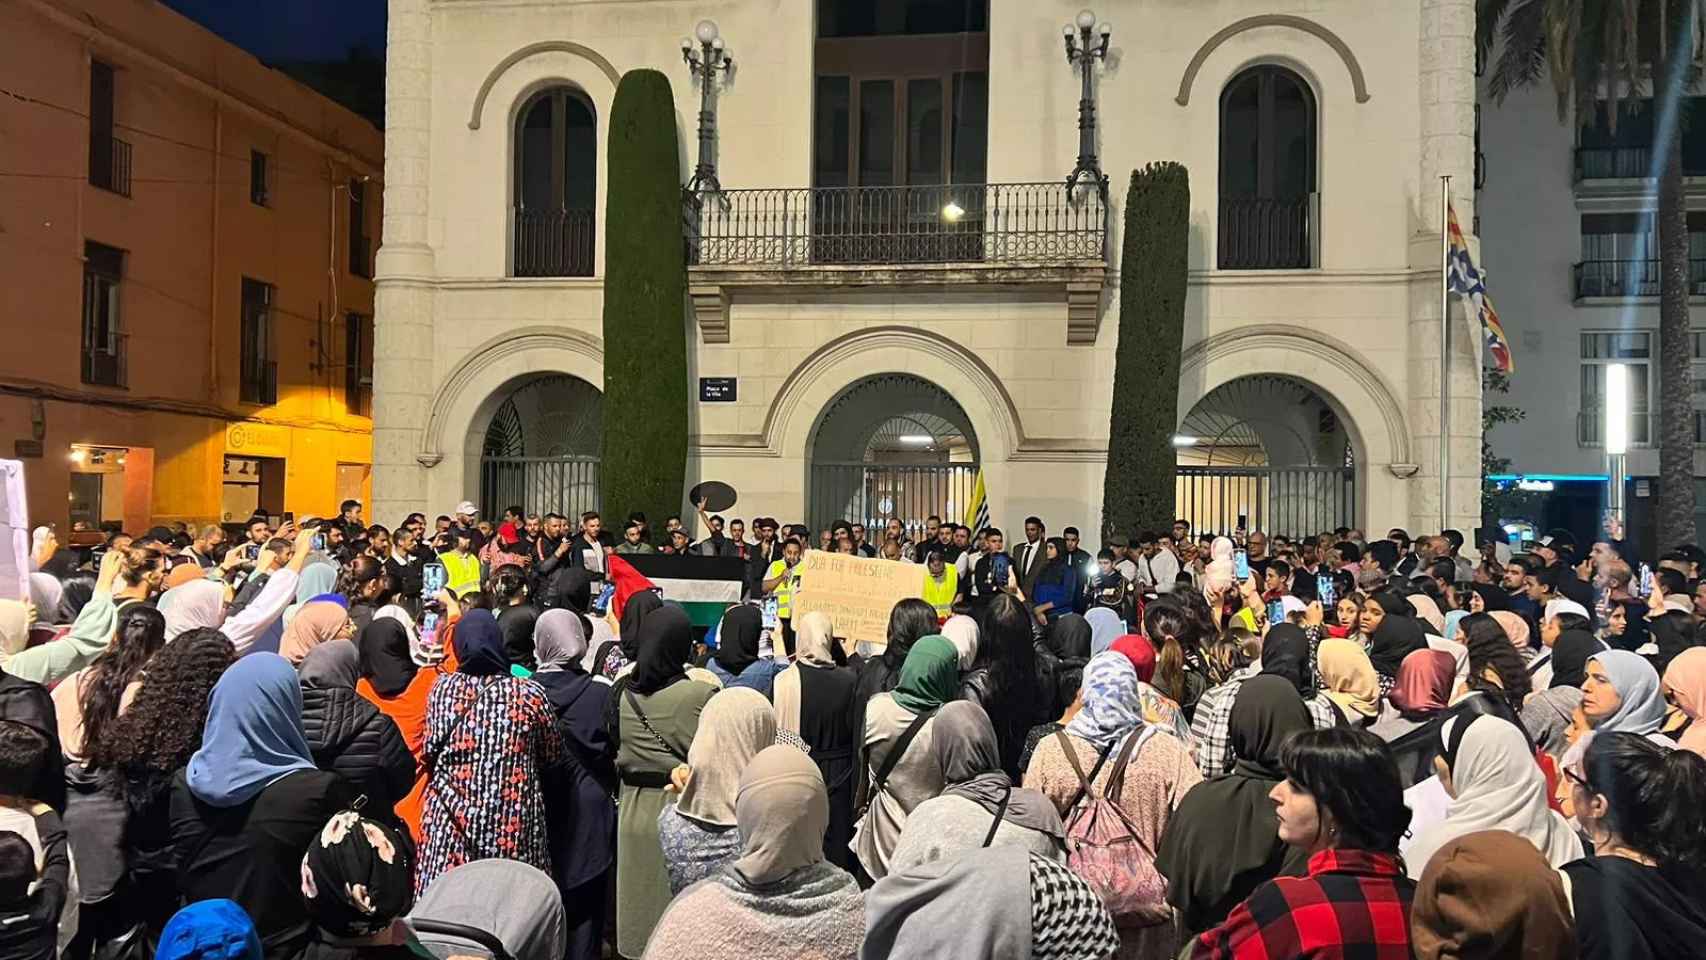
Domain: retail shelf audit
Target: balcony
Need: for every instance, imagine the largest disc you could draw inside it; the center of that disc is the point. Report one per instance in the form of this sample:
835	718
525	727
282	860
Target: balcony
1630	278
104	361
1038	236
114	173
1262	234
554	243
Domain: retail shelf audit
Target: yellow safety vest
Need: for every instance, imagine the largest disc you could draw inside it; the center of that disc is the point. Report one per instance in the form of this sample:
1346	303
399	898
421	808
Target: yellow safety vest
784	592
461	574
941	595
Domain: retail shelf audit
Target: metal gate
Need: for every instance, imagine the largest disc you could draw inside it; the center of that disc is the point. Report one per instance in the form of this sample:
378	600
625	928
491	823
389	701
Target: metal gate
872	493
565	485
1292	501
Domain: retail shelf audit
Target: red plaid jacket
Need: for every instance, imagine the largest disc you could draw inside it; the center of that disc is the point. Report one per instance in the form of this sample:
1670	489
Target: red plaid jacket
1353	905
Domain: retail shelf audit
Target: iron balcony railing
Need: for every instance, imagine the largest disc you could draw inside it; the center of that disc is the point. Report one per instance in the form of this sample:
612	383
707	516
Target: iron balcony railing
1262	234
1630	278
104	361
554	243
1630	163
994	223
114	175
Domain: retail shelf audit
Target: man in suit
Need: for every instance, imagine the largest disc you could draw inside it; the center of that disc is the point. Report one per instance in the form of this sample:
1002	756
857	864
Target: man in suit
1029	557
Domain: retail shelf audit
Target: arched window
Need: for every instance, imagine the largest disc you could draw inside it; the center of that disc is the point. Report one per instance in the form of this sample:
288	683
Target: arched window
1267	171
556	185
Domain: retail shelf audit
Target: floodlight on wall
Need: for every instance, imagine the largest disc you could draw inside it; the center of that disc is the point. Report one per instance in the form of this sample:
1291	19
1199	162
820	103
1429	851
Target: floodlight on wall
920	438
952	212
1617	409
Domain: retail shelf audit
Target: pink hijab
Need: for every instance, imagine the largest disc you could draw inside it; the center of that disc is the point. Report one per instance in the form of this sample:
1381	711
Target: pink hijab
314	624
1686	678
1423	686
1515	627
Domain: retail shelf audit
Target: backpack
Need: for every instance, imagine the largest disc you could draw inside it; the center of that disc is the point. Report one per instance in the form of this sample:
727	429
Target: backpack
1104	847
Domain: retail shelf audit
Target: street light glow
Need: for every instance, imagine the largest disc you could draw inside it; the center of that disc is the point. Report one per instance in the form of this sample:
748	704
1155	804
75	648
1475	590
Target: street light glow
1617	409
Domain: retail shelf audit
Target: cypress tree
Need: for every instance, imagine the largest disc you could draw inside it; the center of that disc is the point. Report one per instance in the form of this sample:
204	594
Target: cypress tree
644	455
1138	489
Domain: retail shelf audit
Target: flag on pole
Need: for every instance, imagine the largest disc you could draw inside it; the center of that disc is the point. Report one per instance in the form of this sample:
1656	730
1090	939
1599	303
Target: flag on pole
977	511
1463	279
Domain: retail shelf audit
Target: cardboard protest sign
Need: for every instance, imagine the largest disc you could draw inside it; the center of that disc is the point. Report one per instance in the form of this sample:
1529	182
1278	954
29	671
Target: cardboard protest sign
14	533
857	592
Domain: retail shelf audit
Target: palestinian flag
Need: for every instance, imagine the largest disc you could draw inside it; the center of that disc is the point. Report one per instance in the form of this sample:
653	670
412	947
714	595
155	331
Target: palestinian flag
705	586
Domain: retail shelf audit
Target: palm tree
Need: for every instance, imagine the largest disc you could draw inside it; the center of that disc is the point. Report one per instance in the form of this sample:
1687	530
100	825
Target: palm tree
1583	47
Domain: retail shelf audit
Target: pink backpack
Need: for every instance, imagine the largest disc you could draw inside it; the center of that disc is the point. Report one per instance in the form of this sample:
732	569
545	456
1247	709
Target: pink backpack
1104	847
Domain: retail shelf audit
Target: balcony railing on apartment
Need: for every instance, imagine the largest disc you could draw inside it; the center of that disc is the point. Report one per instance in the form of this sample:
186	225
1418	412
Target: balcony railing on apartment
104	361
554	243
1631	278
1627	163
1261	234
114	175
994	223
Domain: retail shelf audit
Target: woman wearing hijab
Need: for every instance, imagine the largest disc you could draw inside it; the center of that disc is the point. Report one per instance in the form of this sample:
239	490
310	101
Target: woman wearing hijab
1546	713
1489	895
1105	628
1488	598
1621	692
357	881
1222	843
1487	768
391	681
1517	629
316	580
1685	687
1069	644
735	662
961	631
979	805
1349	679
910	621
814	701
1393	634
1159	710
993	903
199	604
779	898
1422	692
317	622
697	833
249	802
1638	896
657	712
1428	612
582	824
1159	771
898	761
347	734
489	736
611	662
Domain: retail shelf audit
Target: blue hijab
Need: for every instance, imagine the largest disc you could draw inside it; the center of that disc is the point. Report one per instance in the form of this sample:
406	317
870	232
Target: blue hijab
209	930
1105	628
254	732
479	643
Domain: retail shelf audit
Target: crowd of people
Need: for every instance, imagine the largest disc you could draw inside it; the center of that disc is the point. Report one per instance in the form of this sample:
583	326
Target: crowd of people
338	741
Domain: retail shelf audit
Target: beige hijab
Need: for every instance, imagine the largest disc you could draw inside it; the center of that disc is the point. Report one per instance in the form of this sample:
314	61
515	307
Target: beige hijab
314	624
782	810
736	724
14	626
1349	678
814	646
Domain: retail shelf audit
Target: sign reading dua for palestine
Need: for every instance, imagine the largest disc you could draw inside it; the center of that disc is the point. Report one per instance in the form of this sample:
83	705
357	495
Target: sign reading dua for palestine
856	592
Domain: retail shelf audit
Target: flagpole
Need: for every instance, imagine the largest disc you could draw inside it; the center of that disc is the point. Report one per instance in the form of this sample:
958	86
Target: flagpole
1444	352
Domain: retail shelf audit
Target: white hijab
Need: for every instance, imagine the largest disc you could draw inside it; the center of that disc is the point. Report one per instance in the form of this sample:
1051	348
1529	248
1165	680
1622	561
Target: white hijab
961	631
1498	787
198	604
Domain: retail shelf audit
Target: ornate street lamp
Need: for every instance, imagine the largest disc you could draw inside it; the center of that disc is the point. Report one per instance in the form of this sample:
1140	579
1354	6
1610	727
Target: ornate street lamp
705	62
1083	52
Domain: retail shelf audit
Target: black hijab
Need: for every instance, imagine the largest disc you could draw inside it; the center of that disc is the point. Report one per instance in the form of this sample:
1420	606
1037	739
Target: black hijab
1491	596
1223	840
666	643
634	614
382	651
1570	655
517	624
737	638
1398	635
1635	626
1069	638
479	643
572	588
1285	653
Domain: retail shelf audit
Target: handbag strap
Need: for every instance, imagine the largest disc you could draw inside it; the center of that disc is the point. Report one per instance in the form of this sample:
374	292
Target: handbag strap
1072	758
899	748
634	702
1000	814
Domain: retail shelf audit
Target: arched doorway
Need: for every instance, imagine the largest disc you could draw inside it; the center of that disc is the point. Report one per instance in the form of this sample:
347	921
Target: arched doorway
891	446
1269	453
541	447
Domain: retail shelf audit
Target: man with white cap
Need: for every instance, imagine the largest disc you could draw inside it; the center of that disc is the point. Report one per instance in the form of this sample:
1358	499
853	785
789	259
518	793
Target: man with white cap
467	515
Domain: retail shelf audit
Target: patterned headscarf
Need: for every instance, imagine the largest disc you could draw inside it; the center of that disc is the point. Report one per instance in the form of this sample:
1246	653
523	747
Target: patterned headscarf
1111	706
1068	918
356	876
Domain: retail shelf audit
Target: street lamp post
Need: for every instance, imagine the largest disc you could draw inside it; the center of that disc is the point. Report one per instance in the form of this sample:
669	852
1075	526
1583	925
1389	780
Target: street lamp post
705	62
1084	52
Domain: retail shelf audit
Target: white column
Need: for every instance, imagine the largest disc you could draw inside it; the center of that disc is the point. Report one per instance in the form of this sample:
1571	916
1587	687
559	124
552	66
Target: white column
1446	86
403	374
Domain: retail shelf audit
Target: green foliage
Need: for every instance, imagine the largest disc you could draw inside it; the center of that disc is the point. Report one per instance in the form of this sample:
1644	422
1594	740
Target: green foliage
1138	490
645	321
1501	501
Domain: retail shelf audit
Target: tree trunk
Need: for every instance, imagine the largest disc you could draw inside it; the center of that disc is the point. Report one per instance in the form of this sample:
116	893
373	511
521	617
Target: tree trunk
1675	506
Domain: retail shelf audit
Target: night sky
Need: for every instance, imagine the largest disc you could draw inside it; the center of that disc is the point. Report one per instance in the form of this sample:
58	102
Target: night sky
292	30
